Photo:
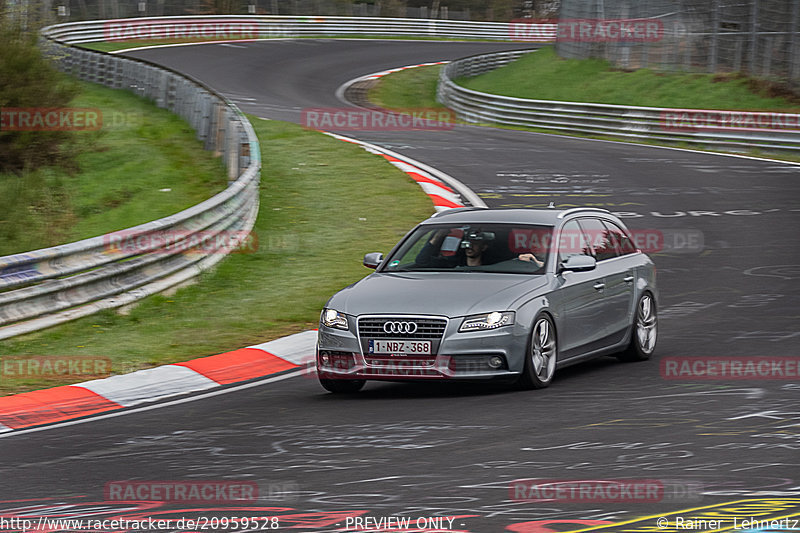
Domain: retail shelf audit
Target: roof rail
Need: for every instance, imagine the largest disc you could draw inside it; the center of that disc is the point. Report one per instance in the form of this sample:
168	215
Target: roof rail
581	209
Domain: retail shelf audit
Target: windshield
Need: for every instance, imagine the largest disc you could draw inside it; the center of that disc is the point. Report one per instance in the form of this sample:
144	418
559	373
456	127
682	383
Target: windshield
506	248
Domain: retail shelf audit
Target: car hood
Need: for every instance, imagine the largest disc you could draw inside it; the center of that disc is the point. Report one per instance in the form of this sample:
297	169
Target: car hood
434	293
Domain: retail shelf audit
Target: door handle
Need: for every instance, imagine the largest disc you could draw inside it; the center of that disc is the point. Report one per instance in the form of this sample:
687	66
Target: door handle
599	286
628	279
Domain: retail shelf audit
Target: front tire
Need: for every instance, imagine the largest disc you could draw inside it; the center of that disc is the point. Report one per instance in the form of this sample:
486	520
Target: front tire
342	386
542	354
645	331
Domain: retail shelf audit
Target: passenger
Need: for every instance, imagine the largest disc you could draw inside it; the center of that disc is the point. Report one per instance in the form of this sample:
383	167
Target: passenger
531	257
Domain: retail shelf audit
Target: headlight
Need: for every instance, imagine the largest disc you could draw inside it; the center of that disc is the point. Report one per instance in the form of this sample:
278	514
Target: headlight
334	319
488	321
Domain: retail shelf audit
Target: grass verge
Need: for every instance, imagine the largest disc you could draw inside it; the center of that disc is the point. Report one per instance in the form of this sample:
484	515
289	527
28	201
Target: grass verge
410	88
543	75
324	203
144	163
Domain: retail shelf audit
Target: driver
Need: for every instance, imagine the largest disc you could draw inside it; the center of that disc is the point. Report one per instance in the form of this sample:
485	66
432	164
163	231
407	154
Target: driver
474	247
470	251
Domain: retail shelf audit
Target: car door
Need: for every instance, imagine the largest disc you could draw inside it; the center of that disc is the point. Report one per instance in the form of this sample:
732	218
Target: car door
579	295
623	281
617	278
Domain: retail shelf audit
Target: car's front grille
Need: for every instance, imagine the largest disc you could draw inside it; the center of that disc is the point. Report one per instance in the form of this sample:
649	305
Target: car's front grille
424	328
401	328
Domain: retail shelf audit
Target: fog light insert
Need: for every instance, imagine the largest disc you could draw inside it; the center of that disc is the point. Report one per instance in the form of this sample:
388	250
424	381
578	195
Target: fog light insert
495	361
336	360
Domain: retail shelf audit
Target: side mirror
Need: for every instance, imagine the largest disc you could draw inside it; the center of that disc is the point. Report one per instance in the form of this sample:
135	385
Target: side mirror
578	263
373	260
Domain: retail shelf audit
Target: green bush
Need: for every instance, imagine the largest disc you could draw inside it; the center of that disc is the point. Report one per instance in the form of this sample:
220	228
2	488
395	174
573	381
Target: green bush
27	80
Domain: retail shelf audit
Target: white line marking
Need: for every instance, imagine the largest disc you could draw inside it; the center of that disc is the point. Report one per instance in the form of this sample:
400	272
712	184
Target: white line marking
136	49
369	480
752	393
465	192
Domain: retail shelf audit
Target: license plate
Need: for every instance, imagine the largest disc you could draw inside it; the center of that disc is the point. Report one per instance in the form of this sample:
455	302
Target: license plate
399	347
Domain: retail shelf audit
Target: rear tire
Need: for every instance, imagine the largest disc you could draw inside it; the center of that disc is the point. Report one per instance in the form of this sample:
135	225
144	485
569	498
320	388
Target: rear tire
542	355
342	386
644	332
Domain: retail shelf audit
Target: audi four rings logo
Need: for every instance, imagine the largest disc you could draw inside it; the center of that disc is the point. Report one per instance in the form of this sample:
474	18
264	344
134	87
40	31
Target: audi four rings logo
400	327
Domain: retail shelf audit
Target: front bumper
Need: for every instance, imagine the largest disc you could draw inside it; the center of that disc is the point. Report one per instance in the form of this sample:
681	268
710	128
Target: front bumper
460	356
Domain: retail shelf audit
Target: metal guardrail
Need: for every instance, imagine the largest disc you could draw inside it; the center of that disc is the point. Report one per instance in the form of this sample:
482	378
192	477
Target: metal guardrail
272	26
735	130
45	287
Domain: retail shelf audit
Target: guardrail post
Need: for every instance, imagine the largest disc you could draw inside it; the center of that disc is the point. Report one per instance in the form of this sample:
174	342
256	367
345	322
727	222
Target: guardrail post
244	150
219	137
197	115
94	68
231	149
161	90
119	74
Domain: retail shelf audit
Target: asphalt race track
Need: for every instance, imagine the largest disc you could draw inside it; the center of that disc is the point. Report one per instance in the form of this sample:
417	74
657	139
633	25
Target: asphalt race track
432	452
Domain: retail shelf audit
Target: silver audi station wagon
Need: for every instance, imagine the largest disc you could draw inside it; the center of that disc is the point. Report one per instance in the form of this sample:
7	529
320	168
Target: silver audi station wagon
478	294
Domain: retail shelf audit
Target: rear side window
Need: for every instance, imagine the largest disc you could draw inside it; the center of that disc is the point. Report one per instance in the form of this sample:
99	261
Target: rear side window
600	238
620	238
